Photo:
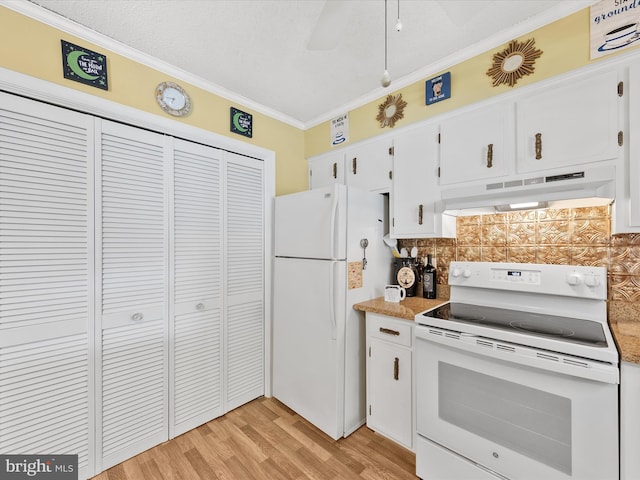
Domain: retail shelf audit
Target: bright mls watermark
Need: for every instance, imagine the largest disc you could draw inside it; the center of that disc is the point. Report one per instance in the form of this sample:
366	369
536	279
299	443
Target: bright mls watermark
49	467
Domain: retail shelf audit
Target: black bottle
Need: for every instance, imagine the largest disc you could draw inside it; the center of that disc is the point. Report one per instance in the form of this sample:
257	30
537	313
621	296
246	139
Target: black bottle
429	279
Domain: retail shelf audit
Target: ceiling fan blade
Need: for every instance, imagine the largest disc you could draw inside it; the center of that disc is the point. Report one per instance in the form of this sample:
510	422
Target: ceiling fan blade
331	25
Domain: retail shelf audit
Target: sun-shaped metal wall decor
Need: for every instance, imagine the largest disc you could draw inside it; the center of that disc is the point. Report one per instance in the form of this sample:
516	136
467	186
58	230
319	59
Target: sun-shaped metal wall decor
514	62
391	110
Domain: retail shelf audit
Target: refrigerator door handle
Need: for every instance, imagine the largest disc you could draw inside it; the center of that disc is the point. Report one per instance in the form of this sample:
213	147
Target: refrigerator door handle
332	300
334	214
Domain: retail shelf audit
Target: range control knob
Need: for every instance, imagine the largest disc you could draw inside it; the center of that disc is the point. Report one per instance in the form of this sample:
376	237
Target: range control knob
456	272
574	279
466	273
591	281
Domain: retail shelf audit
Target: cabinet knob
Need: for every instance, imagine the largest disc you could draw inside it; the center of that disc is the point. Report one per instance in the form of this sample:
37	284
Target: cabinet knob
420	212
396	368
538	146
490	155
136	317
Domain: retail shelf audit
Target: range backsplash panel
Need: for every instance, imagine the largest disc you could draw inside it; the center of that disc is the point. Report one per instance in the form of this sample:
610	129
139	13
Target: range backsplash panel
574	236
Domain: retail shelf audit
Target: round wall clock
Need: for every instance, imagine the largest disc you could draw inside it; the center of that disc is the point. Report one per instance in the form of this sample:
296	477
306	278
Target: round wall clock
173	99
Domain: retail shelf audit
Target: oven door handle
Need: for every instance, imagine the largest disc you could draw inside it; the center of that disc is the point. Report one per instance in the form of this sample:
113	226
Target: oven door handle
519	354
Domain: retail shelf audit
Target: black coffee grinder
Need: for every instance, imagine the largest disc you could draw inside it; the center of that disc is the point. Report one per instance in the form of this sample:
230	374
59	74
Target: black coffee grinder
405	274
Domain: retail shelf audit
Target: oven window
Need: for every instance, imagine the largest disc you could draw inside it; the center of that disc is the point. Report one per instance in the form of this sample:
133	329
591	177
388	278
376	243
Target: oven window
532	422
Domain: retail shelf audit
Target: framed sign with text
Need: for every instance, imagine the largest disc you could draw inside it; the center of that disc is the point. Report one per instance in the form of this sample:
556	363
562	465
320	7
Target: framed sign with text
438	88
83	65
241	122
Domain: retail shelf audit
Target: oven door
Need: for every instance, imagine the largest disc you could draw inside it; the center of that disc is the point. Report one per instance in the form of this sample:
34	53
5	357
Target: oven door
514	419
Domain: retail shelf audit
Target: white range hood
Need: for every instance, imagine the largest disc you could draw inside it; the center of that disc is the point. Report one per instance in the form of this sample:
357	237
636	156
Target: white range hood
580	183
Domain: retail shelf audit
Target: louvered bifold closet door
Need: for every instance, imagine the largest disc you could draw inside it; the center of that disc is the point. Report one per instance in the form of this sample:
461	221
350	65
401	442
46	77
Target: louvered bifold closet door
133	291
244	326
196	394
46	286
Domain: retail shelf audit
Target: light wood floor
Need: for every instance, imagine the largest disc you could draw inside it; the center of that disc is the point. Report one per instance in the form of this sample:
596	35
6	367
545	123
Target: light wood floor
266	440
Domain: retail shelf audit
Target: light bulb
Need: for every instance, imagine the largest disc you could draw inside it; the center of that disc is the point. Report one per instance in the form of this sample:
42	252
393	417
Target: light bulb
398	25
386	79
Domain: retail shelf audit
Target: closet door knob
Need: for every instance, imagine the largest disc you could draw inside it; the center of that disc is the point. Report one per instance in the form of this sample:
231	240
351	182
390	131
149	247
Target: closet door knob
136	317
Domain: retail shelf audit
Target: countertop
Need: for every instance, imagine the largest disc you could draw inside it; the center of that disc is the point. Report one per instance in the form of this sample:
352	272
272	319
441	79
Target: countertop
625	333
406	309
627	336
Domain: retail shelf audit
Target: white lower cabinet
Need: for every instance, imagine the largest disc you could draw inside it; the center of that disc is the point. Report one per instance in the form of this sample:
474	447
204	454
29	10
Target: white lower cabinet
390	409
131	284
629	421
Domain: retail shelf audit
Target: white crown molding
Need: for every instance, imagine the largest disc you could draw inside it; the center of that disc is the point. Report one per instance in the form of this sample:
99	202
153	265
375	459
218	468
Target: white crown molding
563	9
69	26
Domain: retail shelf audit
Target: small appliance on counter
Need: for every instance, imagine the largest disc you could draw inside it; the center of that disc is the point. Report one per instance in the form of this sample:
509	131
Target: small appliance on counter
405	274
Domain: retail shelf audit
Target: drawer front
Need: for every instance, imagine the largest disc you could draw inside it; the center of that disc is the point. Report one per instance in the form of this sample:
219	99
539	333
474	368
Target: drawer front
389	329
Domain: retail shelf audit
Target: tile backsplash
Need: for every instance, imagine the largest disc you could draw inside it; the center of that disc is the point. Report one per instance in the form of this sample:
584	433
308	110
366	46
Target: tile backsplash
574	236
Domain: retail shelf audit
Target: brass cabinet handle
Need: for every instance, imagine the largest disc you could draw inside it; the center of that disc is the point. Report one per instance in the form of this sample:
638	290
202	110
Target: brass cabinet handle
388	331
420	212
355	165
538	146
396	368
335	170
490	155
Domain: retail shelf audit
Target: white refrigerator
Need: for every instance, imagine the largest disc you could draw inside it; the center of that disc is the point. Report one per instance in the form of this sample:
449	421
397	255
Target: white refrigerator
318	338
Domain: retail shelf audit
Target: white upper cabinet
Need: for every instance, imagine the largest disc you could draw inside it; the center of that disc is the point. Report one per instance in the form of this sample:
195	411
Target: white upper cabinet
326	169
368	165
415	194
477	145
569	123
632	217
365	165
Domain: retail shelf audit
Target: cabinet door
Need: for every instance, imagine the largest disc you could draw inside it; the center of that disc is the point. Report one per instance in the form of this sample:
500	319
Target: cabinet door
389	391
196	313
325	170
634	152
368	165
244	243
477	145
415	193
133	292
571	123
46	281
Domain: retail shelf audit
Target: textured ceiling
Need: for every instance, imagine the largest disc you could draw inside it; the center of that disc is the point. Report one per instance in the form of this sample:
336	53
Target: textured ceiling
258	48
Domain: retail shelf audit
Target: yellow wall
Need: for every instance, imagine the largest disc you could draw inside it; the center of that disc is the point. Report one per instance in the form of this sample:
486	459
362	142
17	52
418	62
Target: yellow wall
565	47
33	48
